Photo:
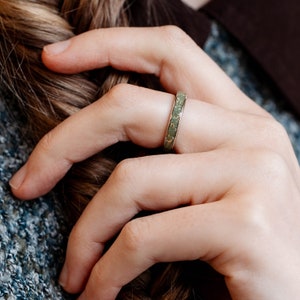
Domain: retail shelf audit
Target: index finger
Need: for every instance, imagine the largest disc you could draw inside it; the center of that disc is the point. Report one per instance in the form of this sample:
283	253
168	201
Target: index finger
166	52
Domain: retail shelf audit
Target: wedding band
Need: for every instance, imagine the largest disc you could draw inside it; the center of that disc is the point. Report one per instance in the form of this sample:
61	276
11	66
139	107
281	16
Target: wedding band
175	116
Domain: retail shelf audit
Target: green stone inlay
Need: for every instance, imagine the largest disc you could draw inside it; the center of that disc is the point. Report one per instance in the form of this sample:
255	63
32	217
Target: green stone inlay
175	117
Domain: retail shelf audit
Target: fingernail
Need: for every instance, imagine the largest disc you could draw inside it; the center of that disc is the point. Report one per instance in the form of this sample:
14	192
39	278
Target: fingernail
17	180
63	278
57	48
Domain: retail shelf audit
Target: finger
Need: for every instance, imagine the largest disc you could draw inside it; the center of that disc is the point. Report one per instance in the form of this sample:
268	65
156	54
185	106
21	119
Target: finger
147	184
89	131
166	52
125	113
202	232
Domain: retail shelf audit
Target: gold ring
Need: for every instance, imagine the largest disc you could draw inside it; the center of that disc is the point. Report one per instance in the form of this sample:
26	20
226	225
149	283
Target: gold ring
175	116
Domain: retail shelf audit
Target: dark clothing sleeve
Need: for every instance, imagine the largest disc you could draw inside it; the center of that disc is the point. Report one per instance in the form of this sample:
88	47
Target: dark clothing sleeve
270	32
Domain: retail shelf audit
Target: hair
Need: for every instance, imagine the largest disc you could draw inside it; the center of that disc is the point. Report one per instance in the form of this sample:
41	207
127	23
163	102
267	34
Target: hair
47	98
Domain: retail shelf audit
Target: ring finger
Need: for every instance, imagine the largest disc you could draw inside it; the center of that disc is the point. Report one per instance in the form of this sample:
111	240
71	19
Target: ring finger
125	113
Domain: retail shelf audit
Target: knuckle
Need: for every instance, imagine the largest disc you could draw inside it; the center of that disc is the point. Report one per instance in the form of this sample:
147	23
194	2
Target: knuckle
47	142
100	282
272	162
123	99
273	133
80	245
125	171
96	279
176	43
118	90
269	170
127	177
134	235
135	174
118	93
253	215
76	235
268	177
174	34
134	169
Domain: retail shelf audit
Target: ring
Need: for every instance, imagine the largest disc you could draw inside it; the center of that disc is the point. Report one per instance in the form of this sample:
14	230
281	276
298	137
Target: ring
175	116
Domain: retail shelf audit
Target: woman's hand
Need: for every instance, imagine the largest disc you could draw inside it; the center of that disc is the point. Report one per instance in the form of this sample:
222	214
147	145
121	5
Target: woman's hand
230	196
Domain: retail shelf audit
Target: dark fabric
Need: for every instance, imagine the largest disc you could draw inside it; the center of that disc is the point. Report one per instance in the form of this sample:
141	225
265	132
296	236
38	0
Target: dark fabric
270	31
170	13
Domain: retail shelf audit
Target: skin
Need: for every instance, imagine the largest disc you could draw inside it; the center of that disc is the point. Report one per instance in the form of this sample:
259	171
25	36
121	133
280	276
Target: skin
234	171
196	4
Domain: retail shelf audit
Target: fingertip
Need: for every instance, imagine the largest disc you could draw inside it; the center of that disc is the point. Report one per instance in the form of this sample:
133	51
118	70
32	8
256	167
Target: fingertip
71	280
79	262
24	186
63	278
17	180
56	48
55	57
67	283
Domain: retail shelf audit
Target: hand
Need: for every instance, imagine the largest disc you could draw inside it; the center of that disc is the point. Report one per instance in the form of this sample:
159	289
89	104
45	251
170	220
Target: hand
235	172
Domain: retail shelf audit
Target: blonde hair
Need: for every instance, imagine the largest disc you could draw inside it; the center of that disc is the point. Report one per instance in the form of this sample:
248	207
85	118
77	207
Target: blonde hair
47	98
